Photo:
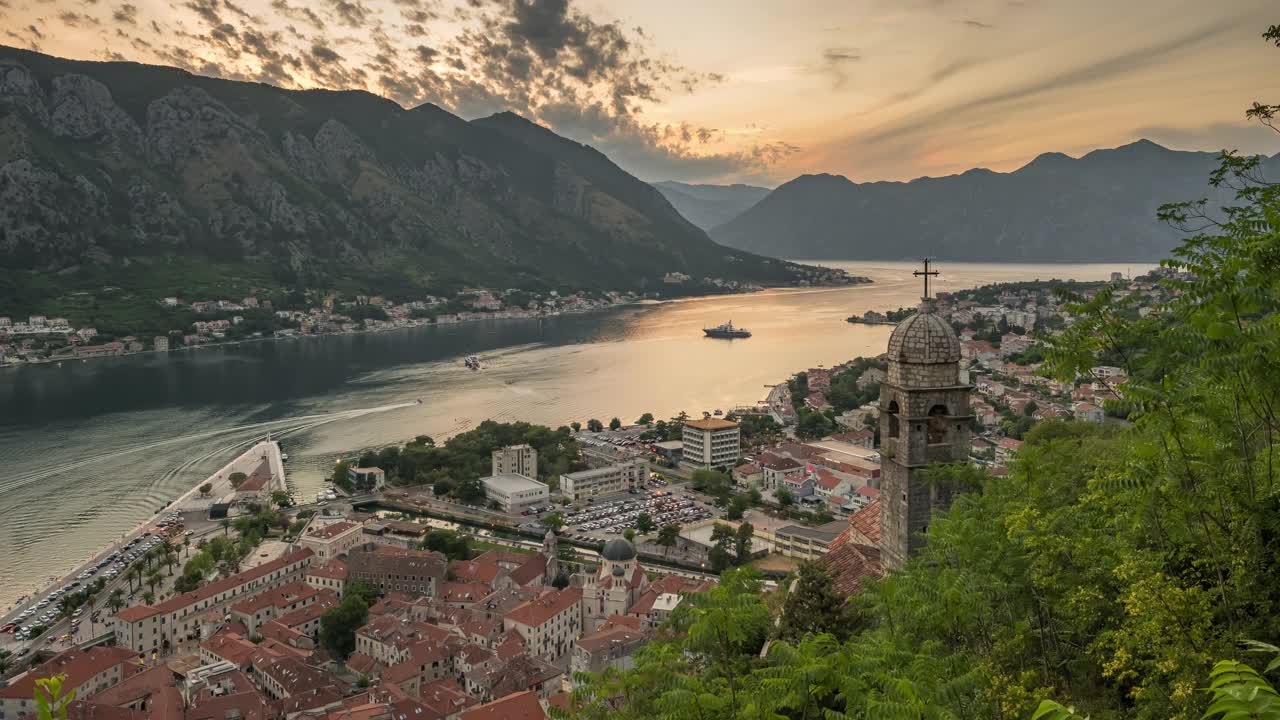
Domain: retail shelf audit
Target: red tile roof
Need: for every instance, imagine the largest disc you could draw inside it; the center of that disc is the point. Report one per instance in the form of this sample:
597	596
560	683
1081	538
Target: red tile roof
177	602
281	597
852	565
534	567
545	607
516	706
330	531
78	665
459	592
231	647
335	569
867	521
474	571
710	424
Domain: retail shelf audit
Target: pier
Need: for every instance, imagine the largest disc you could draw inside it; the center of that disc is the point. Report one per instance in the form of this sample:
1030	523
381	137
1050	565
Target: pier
250	478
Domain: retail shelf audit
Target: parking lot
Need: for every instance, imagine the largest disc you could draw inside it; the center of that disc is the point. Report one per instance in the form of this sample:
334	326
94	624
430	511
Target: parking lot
613	515
46	612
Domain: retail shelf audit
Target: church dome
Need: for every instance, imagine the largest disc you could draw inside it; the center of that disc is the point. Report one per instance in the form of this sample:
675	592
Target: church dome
618	571
618	551
924	339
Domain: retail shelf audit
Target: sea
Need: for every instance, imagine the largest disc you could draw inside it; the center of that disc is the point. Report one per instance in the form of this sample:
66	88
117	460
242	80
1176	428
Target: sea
89	449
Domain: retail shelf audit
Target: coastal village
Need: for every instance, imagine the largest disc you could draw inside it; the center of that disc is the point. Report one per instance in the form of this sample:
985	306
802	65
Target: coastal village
356	612
43	338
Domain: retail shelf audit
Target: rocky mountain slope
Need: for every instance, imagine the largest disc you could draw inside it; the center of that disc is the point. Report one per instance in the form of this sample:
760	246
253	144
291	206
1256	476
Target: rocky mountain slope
116	164
710	205
1099	207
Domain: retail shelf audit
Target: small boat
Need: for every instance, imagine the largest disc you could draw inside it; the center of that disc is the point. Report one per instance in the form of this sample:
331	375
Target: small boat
718	412
284	456
727	331
471	362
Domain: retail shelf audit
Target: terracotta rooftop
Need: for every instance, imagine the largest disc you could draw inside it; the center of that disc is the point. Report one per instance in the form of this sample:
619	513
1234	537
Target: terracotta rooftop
534	567
257	479
474	571
78	665
328	532
545	607
229	646
710	424
516	706
177	602
139	687
851	565
867	521
281	597
464	592
335	569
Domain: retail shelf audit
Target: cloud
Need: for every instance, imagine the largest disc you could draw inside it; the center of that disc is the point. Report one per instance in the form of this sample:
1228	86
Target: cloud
1099	70
126	13
834	61
301	12
551	61
352	13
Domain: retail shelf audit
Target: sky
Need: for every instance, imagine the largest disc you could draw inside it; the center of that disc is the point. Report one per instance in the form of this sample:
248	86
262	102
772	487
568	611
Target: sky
755	91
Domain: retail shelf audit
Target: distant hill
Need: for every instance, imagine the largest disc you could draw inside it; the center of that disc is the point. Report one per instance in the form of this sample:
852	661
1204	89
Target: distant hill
121	166
710	205
1099	207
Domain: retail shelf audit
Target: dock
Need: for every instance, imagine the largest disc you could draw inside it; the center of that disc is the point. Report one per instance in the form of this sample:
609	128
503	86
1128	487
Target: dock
263	468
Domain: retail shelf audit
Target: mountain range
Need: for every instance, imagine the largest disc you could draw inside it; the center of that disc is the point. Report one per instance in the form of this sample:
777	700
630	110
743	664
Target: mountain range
120	165
1098	207
710	205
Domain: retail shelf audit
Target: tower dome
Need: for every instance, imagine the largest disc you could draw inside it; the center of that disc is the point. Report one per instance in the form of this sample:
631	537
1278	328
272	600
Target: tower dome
618	551
924	339
924	351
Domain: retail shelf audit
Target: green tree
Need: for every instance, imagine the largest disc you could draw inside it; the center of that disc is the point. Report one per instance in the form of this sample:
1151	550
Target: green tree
451	543
116	600
644	523
715	483
205	489
149	597
742	542
553	521
594	425
668	535
237	479
338	624
280	498
723	540
576	426
225	523
614	424
470	490
812	607
737	506
785	498
645	419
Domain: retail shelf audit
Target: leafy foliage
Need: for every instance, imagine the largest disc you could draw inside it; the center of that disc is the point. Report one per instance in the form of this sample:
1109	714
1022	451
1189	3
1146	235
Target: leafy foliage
1109	570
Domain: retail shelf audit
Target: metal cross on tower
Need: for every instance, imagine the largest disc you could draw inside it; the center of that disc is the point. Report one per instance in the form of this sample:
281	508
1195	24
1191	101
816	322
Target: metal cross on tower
926	273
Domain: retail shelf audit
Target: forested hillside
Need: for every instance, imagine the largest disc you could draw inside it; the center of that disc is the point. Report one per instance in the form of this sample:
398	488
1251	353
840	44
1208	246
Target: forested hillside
1109	571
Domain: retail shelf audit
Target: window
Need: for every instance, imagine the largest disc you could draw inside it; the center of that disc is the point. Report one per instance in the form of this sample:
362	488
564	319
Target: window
892	410
937	424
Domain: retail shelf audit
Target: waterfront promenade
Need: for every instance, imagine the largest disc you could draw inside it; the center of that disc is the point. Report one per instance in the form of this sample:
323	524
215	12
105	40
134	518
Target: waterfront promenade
263	467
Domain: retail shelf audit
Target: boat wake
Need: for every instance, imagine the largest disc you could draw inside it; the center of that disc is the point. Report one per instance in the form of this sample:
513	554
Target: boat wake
280	427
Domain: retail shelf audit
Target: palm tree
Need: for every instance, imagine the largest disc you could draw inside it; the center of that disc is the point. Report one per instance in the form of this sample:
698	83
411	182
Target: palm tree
116	600
186	545
170	557
5	662
148	597
134	573
153	579
226	526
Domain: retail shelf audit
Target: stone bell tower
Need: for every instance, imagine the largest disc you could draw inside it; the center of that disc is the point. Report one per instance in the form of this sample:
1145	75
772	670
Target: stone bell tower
924	419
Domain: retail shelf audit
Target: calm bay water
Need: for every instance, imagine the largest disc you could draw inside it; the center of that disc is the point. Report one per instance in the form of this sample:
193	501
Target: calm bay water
90	449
